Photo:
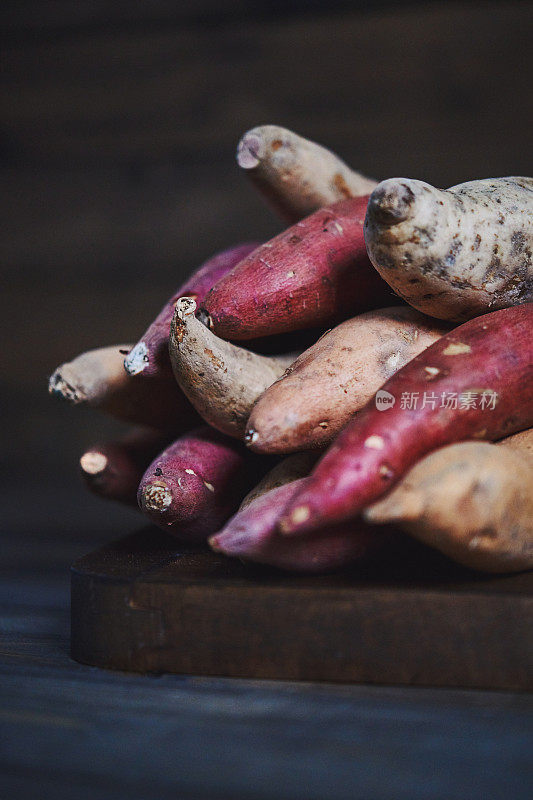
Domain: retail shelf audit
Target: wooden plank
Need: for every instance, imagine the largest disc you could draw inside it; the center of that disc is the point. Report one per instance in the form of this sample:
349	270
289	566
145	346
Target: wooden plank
137	737
145	604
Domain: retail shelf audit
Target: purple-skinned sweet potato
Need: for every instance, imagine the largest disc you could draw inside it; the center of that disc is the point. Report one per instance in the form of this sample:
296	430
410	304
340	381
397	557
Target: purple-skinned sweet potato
193	486
113	469
474	383
149	356
252	535
315	273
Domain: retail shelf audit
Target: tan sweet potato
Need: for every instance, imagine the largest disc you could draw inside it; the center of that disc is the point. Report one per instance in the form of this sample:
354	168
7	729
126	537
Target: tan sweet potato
472	501
457	253
221	380
97	378
297	176
329	382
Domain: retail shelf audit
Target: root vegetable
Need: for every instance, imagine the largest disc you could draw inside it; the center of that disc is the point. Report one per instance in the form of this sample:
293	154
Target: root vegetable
472	501
97	379
251	535
297	176
327	384
523	442
286	471
221	380
194	485
475	382
149	356
314	273
457	253
113	469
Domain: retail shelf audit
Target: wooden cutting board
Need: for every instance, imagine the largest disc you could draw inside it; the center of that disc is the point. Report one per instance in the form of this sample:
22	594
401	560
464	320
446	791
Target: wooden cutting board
146	604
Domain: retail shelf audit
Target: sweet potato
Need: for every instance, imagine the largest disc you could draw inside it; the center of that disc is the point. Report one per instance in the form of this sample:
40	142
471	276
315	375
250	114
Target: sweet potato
457	253
221	380
113	469
474	382
295	175
290	469
97	379
315	273
472	501
522	441
150	355
194	485
326	385
251	535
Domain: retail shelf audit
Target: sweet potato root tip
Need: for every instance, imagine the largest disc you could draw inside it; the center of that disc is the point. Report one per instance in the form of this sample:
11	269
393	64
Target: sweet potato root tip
483	390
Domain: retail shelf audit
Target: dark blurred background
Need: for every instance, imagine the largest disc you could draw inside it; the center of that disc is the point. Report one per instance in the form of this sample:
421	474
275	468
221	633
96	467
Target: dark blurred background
119	125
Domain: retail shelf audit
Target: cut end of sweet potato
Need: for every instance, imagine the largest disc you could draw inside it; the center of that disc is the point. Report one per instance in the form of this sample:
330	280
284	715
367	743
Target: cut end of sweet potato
93	463
157	496
137	359
250	150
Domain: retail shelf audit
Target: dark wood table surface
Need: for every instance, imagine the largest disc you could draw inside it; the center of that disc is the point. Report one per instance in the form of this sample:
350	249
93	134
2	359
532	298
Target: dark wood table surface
70	731
117	132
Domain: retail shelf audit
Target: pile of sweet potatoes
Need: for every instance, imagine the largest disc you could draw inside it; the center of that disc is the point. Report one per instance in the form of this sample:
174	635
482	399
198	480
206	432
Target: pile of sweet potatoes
331	395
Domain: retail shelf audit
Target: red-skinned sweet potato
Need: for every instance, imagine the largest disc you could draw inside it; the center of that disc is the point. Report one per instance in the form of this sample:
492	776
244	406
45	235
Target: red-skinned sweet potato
149	356
251	535
484	367
315	273
113	469
194	485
